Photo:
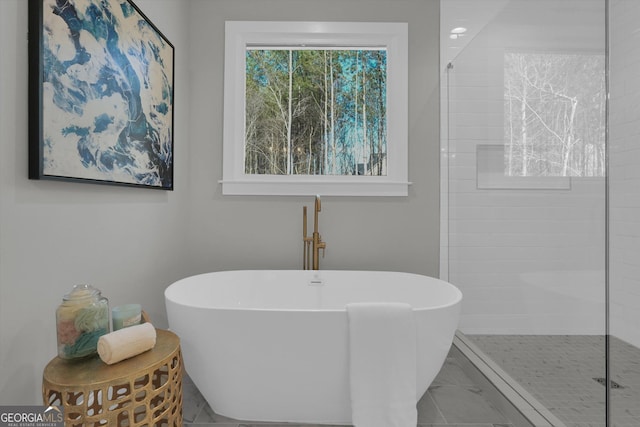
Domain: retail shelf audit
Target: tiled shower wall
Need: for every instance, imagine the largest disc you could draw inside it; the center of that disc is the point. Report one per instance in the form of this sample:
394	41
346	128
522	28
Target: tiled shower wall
528	261
624	162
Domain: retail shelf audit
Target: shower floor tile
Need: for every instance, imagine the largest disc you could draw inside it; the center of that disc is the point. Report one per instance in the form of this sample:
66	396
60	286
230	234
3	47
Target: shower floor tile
561	371
453	400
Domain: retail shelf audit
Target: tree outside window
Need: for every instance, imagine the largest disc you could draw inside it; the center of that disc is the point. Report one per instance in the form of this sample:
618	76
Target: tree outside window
554	114
316	111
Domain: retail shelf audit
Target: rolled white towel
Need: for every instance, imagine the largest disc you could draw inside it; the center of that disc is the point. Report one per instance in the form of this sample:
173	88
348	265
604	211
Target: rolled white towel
127	342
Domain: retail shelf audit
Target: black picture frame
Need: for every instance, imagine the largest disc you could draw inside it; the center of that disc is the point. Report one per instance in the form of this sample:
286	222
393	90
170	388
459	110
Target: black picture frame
101	90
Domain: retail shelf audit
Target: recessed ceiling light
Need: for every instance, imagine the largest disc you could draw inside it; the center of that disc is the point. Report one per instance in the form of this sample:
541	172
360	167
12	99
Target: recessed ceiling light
458	30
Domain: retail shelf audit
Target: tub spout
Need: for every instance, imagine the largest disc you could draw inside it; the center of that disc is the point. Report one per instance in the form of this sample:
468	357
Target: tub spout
312	244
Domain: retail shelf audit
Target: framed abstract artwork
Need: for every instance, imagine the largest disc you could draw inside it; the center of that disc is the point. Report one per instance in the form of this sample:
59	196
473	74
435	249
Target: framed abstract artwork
100	94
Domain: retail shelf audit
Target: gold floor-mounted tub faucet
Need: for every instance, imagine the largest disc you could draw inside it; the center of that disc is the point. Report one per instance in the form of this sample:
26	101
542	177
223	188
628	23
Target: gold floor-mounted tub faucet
312	244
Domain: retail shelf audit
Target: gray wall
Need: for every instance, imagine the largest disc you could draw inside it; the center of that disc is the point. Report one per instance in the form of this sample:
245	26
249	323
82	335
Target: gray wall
132	243
128	242
265	232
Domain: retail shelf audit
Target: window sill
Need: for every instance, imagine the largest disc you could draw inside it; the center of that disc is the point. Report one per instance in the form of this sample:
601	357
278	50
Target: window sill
297	186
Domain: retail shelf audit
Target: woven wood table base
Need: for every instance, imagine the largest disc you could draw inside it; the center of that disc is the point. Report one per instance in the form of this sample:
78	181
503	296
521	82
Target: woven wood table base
145	390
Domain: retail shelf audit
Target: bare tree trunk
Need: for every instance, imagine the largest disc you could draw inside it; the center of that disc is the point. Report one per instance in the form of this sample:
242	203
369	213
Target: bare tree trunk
333	123
325	135
289	115
523	117
356	142
309	157
568	145
510	158
364	120
381	127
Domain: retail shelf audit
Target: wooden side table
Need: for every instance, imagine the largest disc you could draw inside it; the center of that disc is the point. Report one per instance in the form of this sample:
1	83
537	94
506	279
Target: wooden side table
145	390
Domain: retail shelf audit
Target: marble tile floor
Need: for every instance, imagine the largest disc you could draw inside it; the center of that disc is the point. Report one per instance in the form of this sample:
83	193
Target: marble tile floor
559	371
453	400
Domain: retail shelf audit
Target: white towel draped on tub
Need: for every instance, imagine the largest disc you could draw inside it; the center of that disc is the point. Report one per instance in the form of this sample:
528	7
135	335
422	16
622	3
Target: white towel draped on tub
382	362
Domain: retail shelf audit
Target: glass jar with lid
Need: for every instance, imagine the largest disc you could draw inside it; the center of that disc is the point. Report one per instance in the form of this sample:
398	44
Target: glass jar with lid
81	319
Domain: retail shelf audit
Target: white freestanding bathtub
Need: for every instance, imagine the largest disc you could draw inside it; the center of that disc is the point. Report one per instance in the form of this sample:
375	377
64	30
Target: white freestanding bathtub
273	345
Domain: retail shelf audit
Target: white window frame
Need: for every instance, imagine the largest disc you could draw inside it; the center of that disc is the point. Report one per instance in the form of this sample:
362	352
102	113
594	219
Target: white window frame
391	36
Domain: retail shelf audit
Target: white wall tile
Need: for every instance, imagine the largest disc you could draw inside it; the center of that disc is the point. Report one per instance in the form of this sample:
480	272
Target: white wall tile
519	256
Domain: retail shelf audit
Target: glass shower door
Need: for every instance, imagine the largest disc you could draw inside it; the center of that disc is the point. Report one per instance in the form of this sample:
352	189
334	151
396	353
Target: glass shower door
524	192
624	213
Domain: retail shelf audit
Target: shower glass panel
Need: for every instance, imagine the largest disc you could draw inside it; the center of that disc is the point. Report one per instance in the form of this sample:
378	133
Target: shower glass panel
624	212
524	192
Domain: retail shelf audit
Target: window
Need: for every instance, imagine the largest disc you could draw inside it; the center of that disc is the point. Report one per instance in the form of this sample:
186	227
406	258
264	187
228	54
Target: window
554	106
315	108
315	111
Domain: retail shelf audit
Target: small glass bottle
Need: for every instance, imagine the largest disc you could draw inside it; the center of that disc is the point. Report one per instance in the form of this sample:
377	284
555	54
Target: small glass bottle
81	319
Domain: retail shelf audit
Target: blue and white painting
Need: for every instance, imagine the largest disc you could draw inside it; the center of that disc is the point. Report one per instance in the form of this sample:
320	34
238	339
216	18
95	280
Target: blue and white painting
107	94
